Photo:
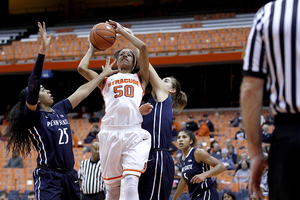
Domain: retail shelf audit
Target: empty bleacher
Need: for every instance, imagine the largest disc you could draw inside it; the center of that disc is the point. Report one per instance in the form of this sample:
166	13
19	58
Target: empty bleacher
165	36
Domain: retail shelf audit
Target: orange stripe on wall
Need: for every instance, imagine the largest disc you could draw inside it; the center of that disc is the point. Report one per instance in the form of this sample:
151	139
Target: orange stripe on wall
167	60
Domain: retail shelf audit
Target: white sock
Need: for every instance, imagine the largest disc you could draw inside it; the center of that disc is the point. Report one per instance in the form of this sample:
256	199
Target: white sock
131	187
112	193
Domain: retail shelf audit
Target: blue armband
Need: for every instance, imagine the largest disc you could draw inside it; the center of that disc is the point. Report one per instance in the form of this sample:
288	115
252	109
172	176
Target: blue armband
34	81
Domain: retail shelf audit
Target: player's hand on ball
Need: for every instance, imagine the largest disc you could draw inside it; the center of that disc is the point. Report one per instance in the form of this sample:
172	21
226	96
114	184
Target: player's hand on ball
115	25
93	49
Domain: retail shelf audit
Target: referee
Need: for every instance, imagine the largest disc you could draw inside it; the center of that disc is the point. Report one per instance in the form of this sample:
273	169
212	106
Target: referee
272	60
90	177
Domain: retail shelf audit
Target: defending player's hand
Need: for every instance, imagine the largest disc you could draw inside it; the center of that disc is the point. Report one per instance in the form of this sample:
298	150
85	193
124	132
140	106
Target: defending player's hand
146	108
198	178
107	70
45	39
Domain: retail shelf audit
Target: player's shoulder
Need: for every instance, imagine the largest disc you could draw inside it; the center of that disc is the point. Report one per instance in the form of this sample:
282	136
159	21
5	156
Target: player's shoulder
200	152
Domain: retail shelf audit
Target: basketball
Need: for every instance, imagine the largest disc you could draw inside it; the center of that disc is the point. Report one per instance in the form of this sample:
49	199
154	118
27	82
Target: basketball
102	36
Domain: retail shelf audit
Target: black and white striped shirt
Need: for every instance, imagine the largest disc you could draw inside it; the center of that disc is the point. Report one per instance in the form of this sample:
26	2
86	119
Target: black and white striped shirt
273	53
91	177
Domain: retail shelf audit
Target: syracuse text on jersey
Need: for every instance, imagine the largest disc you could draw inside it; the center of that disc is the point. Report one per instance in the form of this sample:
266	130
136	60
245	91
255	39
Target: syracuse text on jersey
120	81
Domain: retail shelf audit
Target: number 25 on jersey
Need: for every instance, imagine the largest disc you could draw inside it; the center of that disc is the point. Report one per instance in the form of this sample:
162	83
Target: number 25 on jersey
62	139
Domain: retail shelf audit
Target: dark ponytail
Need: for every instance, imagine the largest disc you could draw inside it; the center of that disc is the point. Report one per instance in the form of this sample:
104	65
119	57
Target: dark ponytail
179	98
17	130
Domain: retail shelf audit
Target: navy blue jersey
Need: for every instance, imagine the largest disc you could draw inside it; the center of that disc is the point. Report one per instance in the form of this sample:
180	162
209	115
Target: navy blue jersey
159	123
51	135
190	167
156	183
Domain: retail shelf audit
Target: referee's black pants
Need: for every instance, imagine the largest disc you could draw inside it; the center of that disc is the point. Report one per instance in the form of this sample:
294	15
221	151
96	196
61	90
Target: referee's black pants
284	175
97	196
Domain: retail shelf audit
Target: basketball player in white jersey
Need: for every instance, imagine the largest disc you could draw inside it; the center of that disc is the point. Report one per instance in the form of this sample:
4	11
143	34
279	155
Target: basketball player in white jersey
124	145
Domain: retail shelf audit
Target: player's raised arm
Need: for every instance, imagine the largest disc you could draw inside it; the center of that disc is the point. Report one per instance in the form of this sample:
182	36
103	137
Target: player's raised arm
34	81
143	60
83	67
83	91
159	91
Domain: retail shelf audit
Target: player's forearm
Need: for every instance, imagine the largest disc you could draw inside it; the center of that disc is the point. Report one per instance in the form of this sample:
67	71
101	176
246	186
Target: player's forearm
219	168
134	40
34	81
84	90
180	188
251	106
84	64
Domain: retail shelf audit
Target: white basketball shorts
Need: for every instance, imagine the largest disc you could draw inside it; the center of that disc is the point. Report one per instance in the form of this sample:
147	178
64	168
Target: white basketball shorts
123	150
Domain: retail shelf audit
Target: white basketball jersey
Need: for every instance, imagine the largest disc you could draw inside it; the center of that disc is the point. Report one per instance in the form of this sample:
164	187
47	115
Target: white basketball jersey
123	95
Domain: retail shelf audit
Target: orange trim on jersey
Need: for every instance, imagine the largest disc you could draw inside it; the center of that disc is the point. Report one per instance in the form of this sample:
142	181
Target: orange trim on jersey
104	83
140	82
134	170
107	179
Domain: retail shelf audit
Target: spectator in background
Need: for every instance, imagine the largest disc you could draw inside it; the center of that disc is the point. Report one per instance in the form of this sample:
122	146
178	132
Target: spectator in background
177	177
92	134
175	125
191	125
228	143
199	145
269	119
232	155
226	161
182	126
209	123
240	135
253	197
100	114
177	161
228	195
264	181
242	175
203	129
175	129
15	161
178	167
3	195
216	151
235	122
84	113
243	157
211	148
31	196
266	135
